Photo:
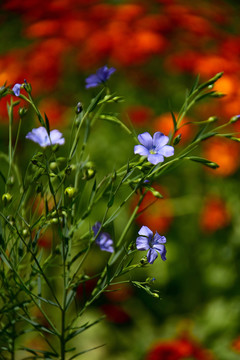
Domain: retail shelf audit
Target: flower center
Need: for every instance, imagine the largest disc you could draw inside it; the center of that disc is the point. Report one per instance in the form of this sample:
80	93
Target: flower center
152	151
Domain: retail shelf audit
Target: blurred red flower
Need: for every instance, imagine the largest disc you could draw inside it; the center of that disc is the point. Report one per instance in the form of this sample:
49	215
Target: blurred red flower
236	344
215	214
140	115
178	349
116	314
155	213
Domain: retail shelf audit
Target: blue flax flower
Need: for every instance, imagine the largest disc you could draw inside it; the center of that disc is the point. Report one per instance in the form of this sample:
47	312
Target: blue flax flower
154	244
103	239
154	148
101	76
16	89
41	137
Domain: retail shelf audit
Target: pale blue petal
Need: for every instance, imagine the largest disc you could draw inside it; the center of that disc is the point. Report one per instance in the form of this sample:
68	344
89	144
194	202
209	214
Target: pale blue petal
39	136
111	71
145	231
146	140
158	239
107	244
151	255
56	137
167	150
16	89
142	243
92	85
141	150
92	81
159	140
161	249
96	227
155	158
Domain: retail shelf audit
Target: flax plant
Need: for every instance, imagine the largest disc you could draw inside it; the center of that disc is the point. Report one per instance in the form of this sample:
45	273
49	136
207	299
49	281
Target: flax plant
58	194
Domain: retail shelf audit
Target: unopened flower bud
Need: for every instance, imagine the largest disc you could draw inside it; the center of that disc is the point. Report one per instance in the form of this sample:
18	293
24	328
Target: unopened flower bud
78	108
6	199
70	191
22	111
177	139
27	86
234	119
212	119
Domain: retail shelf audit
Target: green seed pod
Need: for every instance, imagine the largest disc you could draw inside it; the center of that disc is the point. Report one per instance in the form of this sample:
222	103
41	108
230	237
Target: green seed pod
89	174
144	261
25	233
54	221
6	199
53	165
70	191
89	171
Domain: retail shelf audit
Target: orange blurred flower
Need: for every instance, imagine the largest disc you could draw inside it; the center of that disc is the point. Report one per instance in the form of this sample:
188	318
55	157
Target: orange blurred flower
43	28
215	214
209	65
129	12
164	124
157	214
225	153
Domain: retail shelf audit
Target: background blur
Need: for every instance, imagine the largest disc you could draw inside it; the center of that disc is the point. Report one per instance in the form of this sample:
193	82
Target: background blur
158	47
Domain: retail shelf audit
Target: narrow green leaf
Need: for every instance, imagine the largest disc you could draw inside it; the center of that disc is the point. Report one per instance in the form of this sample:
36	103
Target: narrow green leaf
195	85
174	121
83	328
47	124
94	101
85	351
